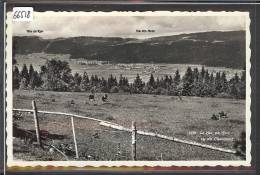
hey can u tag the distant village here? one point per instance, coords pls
(147, 68)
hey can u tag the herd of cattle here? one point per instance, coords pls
(104, 98)
(91, 98)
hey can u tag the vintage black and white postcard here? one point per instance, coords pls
(128, 88)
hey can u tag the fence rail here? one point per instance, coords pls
(108, 124)
(168, 138)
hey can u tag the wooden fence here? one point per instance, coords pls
(104, 123)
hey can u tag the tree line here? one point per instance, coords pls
(56, 75)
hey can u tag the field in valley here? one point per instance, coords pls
(167, 115)
(128, 70)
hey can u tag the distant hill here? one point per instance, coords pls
(222, 49)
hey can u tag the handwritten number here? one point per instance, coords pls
(21, 14)
(28, 14)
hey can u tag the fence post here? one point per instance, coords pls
(36, 123)
(74, 137)
(133, 140)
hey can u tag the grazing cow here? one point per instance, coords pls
(104, 98)
(91, 97)
(96, 135)
(215, 117)
(222, 114)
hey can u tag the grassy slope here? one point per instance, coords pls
(162, 114)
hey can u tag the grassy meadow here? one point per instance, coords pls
(189, 118)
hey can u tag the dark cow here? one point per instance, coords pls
(91, 97)
(222, 114)
(104, 98)
(96, 135)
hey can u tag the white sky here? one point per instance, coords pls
(55, 26)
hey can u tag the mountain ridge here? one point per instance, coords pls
(215, 48)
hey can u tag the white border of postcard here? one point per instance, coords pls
(9, 97)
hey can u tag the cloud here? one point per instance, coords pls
(125, 26)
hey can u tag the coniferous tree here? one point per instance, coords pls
(35, 80)
(197, 86)
(187, 82)
(237, 86)
(211, 78)
(111, 81)
(150, 85)
(177, 77)
(92, 80)
(96, 79)
(205, 86)
(236, 78)
(212, 85)
(31, 71)
(157, 83)
(121, 83)
(195, 74)
(16, 78)
(85, 82)
(224, 83)
(138, 85)
(103, 84)
(234, 86)
(125, 82)
(202, 73)
(77, 79)
(161, 82)
(151, 82)
(170, 80)
(75, 82)
(167, 82)
(115, 81)
(172, 88)
(25, 73)
(206, 77)
(43, 70)
(218, 83)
